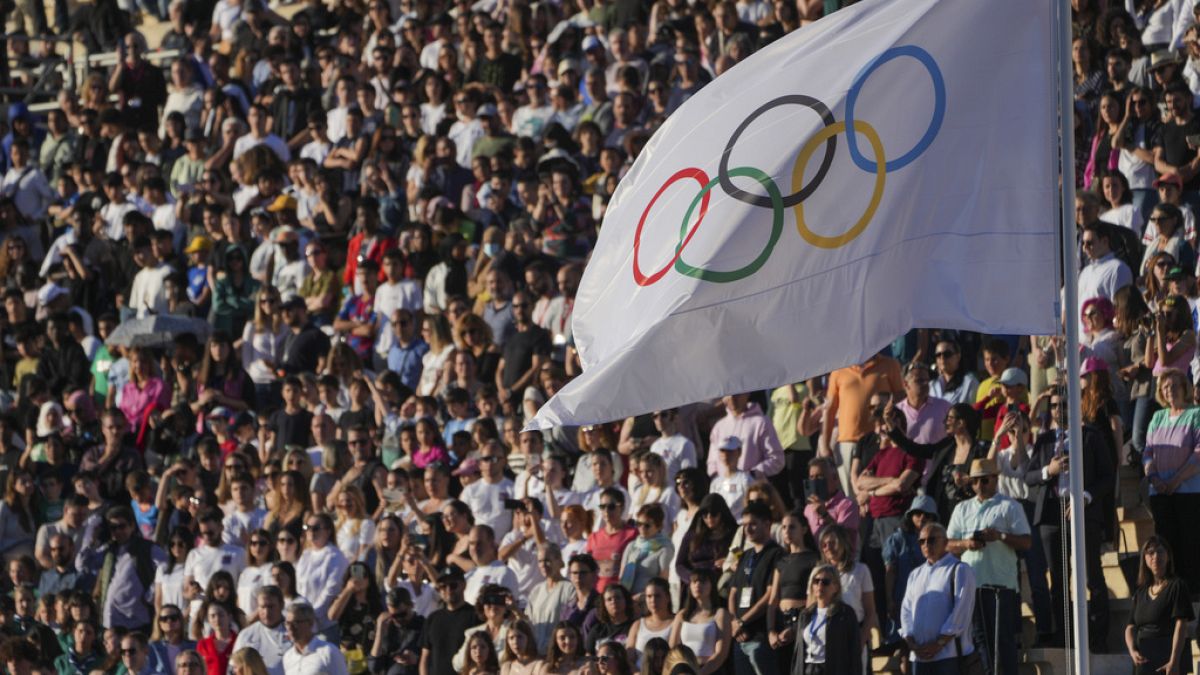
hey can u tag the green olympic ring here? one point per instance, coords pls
(777, 209)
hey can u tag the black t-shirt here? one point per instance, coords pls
(519, 350)
(444, 635)
(292, 429)
(302, 351)
(503, 71)
(751, 582)
(1155, 617)
(1172, 138)
(794, 570)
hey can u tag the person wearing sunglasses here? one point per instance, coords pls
(988, 532)
(935, 614)
(828, 629)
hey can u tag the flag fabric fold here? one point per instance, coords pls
(891, 166)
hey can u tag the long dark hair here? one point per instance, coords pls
(1145, 576)
(441, 542)
(184, 534)
(690, 604)
(699, 530)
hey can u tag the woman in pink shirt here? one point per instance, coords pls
(144, 393)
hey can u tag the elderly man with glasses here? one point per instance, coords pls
(988, 532)
(942, 593)
(309, 655)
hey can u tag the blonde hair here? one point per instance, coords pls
(357, 513)
(250, 659)
(1180, 378)
(265, 321)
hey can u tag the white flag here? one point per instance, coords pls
(756, 242)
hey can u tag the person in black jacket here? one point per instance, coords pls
(827, 641)
(63, 364)
(304, 346)
(398, 637)
(1047, 481)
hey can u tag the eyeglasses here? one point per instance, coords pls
(944, 355)
(520, 305)
(312, 527)
(927, 540)
(1139, 101)
(609, 506)
(644, 524)
(259, 542)
(358, 441)
(129, 652)
(488, 459)
(170, 617)
(1163, 263)
(822, 581)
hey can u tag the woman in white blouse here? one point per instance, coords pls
(355, 531)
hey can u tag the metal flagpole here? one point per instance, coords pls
(1070, 254)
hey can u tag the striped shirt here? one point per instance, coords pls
(1171, 442)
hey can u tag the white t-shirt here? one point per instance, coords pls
(272, 141)
(677, 451)
(240, 524)
(531, 121)
(495, 573)
(733, 488)
(404, 294)
(204, 561)
(487, 504)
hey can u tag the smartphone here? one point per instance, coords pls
(514, 504)
(815, 488)
(358, 572)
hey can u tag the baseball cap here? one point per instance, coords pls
(198, 243)
(1013, 377)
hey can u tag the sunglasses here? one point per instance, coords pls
(609, 506)
(944, 355)
(170, 617)
(984, 480)
(645, 524)
(822, 581)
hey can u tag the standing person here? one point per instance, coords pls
(309, 654)
(320, 570)
(987, 533)
(126, 573)
(923, 411)
(267, 636)
(935, 615)
(1155, 636)
(955, 383)
(703, 624)
(828, 634)
(789, 585)
(547, 599)
(857, 587)
(1171, 467)
(846, 398)
(762, 456)
(445, 629)
(750, 596)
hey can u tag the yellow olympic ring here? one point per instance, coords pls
(824, 134)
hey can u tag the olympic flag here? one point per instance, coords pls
(891, 166)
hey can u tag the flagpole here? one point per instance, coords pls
(1071, 323)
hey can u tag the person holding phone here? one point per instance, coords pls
(826, 503)
(356, 607)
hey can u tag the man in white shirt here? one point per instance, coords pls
(481, 544)
(309, 654)
(26, 184)
(531, 119)
(441, 27)
(942, 593)
(210, 557)
(677, 450)
(267, 636)
(148, 295)
(245, 517)
(486, 496)
(519, 548)
(467, 131)
(1105, 274)
(321, 569)
(259, 135)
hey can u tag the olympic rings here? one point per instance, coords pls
(776, 201)
(939, 106)
(700, 177)
(880, 168)
(742, 272)
(801, 193)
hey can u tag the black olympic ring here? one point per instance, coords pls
(795, 198)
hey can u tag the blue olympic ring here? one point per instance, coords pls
(939, 106)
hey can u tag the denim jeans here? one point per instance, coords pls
(754, 658)
(1143, 410)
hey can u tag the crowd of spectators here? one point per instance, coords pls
(280, 293)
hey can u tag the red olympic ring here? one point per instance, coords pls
(700, 177)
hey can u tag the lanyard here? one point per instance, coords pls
(814, 627)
